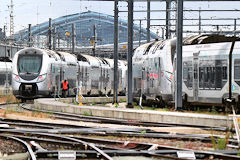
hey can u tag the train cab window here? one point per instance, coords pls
(29, 63)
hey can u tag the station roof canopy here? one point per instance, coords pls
(84, 23)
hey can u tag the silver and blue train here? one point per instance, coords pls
(39, 73)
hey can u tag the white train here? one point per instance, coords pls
(39, 73)
(153, 70)
(205, 70)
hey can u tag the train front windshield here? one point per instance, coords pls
(29, 63)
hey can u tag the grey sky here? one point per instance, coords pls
(38, 11)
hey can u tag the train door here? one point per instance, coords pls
(147, 77)
(151, 76)
(57, 80)
(195, 76)
(159, 75)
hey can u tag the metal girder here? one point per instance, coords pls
(190, 10)
(166, 0)
(191, 19)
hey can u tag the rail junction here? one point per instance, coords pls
(80, 132)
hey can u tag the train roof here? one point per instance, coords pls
(93, 61)
(150, 48)
(5, 59)
(208, 38)
(5, 66)
(67, 57)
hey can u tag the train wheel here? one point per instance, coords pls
(144, 97)
(228, 108)
(160, 101)
(23, 100)
(186, 105)
(236, 107)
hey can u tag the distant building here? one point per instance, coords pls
(84, 30)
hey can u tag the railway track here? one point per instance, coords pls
(47, 139)
(98, 148)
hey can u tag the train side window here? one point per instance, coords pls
(201, 77)
(237, 71)
(224, 73)
(2, 78)
(187, 74)
(52, 68)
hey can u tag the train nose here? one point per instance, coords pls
(28, 90)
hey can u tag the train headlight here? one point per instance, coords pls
(41, 77)
(16, 77)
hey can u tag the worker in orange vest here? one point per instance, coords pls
(65, 88)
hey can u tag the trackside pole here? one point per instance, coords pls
(115, 55)
(129, 56)
(229, 100)
(178, 83)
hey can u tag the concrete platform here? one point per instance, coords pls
(132, 114)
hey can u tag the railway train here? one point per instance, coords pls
(205, 70)
(5, 76)
(39, 73)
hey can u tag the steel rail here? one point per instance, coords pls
(124, 133)
(29, 125)
(93, 154)
(156, 152)
(46, 125)
(25, 143)
(64, 137)
(169, 153)
(44, 140)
